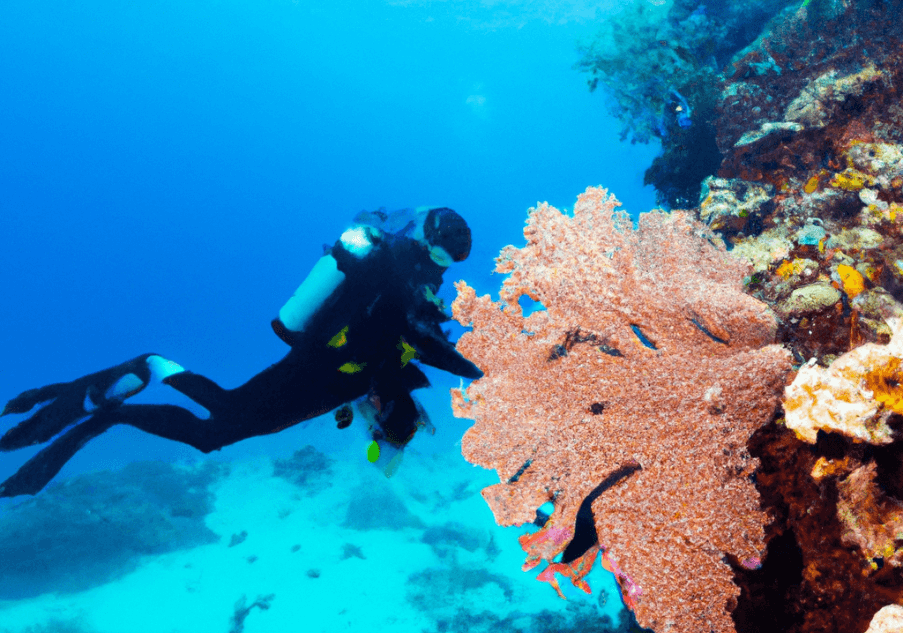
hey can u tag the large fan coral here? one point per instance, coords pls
(636, 388)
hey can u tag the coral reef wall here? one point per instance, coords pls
(810, 192)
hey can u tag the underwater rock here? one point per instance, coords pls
(439, 590)
(823, 96)
(94, 528)
(853, 396)
(769, 134)
(810, 235)
(350, 550)
(875, 307)
(729, 204)
(872, 520)
(242, 610)
(811, 582)
(575, 617)
(307, 468)
(378, 509)
(770, 247)
(857, 238)
(884, 161)
(809, 298)
(446, 538)
(833, 76)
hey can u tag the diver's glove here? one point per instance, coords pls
(64, 403)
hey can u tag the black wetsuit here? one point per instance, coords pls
(358, 342)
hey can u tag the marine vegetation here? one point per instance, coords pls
(627, 402)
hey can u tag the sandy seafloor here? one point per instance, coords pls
(346, 550)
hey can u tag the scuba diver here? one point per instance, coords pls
(365, 311)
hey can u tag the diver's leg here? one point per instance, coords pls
(201, 389)
(399, 420)
(175, 423)
(94, 403)
(62, 404)
(394, 417)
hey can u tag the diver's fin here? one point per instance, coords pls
(40, 469)
(63, 403)
(436, 350)
(43, 425)
(25, 401)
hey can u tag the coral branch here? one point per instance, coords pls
(647, 354)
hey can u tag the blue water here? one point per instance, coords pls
(169, 172)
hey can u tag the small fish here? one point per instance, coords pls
(681, 109)
(408, 353)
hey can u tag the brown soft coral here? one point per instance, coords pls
(573, 393)
(872, 521)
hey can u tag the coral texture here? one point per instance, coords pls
(635, 388)
(820, 122)
(854, 396)
(887, 620)
(812, 580)
(872, 520)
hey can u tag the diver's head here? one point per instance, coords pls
(447, 236)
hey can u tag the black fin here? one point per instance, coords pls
(40, 469)
(66, 404)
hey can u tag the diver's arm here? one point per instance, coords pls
(424, 332)
(434, 348)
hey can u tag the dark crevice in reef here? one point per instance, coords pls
(810, 579)
(585, 526)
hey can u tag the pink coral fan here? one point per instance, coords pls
(636, 388)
